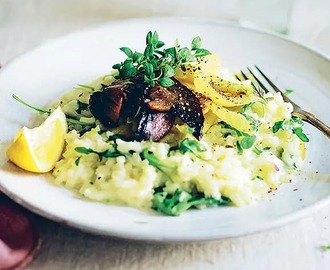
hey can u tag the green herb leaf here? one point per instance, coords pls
(166, 82)
(239, 148)
(288, 91)
(191, 146)
(169, 71)
(164, 62)
(257, 150)
(277, 126)
(202, 52)
(154, 161)
(148, 38)
(196, 43)
(149, 51)
(116, 66)
(77, 161)
(301, 135)
(248, 141)
(84, 150)
(128, 70)
(149, 69)
(165, 168)
(106, 154)
(175, 204)
(127, 51)
(295, 124)
(136, 57)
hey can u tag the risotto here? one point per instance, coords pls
(186, 133)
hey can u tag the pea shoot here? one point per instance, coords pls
(158, 64)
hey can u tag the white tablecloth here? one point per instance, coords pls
(25, 24)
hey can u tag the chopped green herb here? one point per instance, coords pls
(157, 163)
(105, 154)
(42, 111)
(244, 140)
(180, 201)
(154, 161)
(295, 124)
(257, 150)
(258, 177)
(239, 148)
(156, 64)
(301, 135)
(247, 107)
(77, 161)
(247, 141)
(288, 91)
(254, 123)
(191, 146)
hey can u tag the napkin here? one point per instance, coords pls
(19, 239)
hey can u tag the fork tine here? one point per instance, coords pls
(258, 81)
(255, 87)
(276, 89)
(268, 80)
(244, 76)
(297, 110)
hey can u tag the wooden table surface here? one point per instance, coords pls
(24, 25)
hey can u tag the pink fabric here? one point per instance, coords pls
(18, 238)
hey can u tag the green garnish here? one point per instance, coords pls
(77, 161)
(244, 140)
(29, 105)
(105, 154)
(158, 63)
(288, 91)
(254, 123)
(86, 86)
(295, 124)
(190, 146)
(258, 151)
(180, 201)
(258, 177)
(325, 247)
(42, 111)
(157, 163)
(81, 106)
(247, 141)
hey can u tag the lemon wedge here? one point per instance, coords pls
(37, 149)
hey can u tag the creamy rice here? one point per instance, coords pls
(218, 171)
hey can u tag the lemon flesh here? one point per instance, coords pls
(37, 149)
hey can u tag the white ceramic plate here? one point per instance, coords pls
(43, 74)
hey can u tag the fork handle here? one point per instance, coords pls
(314, 121)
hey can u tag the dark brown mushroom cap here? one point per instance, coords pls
(154, 125)
(154, 108)
(188, 108)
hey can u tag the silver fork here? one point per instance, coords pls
(297, 110)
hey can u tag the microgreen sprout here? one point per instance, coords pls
(158, 64)
(69, 119)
